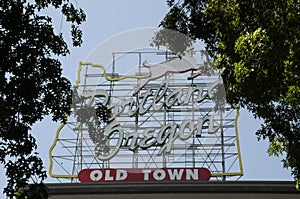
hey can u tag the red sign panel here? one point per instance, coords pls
(144, 175)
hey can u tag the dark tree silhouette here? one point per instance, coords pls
(31, 86)
(256, 45)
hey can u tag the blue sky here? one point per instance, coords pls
(108, 18)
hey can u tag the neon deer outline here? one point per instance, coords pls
(177, 65)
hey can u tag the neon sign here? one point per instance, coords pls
(165, 122)
(154, 101)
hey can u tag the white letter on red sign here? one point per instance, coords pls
(121, 175)
(146, 174)
(96, 175)
(107, 175)
(190, 174)
(159, 174)
(174, 174)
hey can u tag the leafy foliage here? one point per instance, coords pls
(95, 117)
(31, 86)
(256, 44)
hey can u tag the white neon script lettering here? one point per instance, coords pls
(167, 134)
(153, 100)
